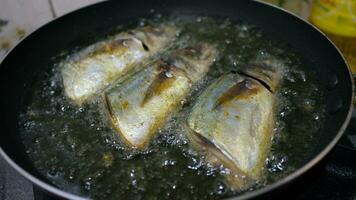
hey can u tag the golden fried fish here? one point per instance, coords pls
(233, 119)
(142, 103)
(91, 70)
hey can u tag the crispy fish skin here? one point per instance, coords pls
(99, 65)
(232, 123)
(142, 103)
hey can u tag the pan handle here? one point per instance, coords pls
(354, 92)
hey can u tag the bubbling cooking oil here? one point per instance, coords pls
(77, 150)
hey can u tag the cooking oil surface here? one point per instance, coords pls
(79, 152)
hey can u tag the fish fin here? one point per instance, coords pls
(163, 80)
(240, 90)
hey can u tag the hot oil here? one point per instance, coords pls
(78, 151)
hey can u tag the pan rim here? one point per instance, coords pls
(310, 164)
(292, 176)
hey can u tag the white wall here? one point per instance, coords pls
(24, 16)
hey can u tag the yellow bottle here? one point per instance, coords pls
(337, 18)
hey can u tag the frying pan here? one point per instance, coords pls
(33, 56)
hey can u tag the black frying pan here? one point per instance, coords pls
(33, 56)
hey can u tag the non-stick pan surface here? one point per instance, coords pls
(34, 55)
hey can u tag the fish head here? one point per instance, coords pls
(267, 69)
(154, 38)
(195, 61)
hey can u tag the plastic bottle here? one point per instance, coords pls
(337, 18)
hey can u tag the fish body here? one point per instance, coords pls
(142, 103)
(233, 119)
(91, 70)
